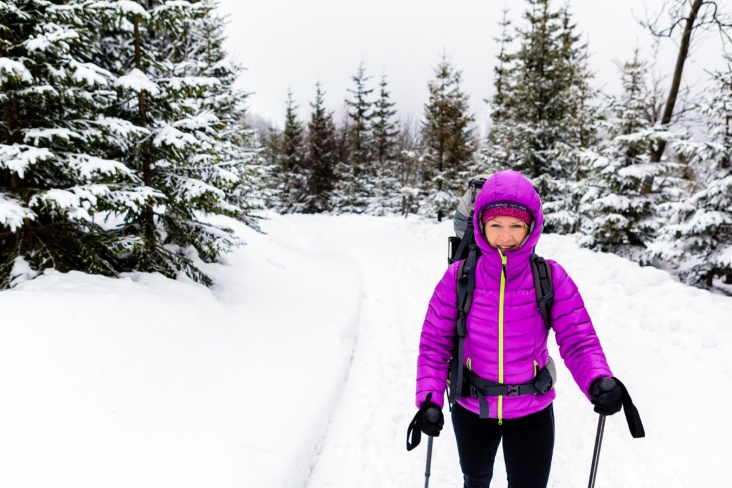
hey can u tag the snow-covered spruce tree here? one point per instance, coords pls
(541, 111)
(189, 149)
(625, 220)
(698, 244)
(57, 178)
(356, 172)
(447, 136)
(236, 147)
(321, 156)
(496, 157)
(292, 175)
(385, 132)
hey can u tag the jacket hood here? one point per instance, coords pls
(509, 187)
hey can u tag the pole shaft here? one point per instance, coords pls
(429, 462)
(596, 452)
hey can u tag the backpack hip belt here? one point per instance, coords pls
(476, 387)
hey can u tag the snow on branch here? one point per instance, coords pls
(90, 74)
(54, 37)
(135, 199)
(191, 188)
(136, 81)
(120, 127)
(170, 136)
(202, 121)
(18, 158)
(90, 166)
(125, 7)
(34, 136)
(12, 212)
(11, 70)
(64, 201)
(192, 82)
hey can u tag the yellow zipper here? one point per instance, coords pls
(501, 299)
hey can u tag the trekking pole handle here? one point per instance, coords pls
(607, 384)
(432, 414)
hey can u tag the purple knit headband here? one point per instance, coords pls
(506, 210)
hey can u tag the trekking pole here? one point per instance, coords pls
(432, 415)
(596, 452)
(429, 462)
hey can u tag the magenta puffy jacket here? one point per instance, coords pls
(513, 351)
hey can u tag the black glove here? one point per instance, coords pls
(431, 419)
(606, 396)
(428, 419)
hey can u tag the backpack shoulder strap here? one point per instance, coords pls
(544, 287)
(465, 289)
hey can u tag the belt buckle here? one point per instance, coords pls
(512, 390)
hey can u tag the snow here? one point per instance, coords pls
(126, 7)
(297, 368)
(170, 136)
(11, 70)
(192, 82)
(137, 81)
(90, 166)
(18, 158)
(12, 213)
(90, 74)
(65, 200)
(34, 136)
(54, 37)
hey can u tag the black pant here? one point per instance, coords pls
(528, 444)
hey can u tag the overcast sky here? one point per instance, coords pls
(292, 44)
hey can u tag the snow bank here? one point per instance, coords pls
(150, 382)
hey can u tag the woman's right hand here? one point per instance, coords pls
(431, 419)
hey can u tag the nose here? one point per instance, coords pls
(505, 237)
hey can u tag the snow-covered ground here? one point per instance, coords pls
(297, 369)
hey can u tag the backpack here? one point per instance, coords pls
(463, 247)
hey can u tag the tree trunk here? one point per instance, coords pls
(676, 82)
(148, 214)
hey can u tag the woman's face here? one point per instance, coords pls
(505, 233)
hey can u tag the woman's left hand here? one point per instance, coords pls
(606, 396)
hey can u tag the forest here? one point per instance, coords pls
(122, 135)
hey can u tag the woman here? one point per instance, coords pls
(506, 344)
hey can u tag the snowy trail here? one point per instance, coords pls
(365, 439)
(297, 369)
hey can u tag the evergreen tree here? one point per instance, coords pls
(292, 172)
(57, 178)
(233, 148)
(625, 220)
(175, 87)
(447, 134)
(387, 191)
(356, 171)
(698, 243)
(321, 158)
(360, 113)
(383, 126)
(541, 111)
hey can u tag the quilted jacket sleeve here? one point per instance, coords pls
(578, 343)
(436, 341)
